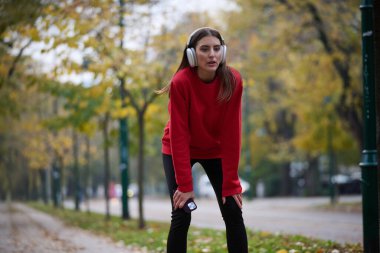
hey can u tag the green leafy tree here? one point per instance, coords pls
(289, 44)
(95, 30)
(17, 32)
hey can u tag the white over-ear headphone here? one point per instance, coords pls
(190, 51)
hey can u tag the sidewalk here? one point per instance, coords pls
(23, 229)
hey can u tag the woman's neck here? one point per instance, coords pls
(206, 76)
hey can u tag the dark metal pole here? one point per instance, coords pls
(123, 135)
(123, 131)
(369, 154)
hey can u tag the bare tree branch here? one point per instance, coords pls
(18, 57)
(286, 3)
(132, 100)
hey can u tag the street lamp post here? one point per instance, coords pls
(368, 162)
(123, 142)
(123, 130)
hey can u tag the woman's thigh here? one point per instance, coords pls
(214, 172)
(169, 174)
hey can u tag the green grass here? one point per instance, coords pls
(352, 207)
(153, 237)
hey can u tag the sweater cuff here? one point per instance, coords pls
(231, 191)
(185, 188)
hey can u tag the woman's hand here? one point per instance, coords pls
(238, 199)
(180, 198)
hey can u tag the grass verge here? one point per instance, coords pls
(352, 207)
(153, 237)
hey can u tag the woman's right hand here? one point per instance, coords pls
(180, 198)
(238, 199)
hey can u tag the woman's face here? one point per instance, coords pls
(209, 54)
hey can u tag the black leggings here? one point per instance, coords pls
(232, 214)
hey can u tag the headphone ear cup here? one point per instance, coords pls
(224, 53)
(191, 57)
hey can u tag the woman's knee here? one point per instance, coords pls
(231, 212)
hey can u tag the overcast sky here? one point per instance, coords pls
(181, 6)
(202, 5)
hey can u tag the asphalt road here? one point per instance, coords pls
(275, 215)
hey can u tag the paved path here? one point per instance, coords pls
(25, 230)
(275, 215)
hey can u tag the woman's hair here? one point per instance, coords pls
(225, 74)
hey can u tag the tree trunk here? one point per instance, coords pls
(61, 181)
(8, 168)
(76, 170)
(44, 185)
(33, 188)
(312, 177)
(286, 181)
(24, 166)
(347, 111)
(55, 169)
(106, 164)
(141, 168)
(87, 174)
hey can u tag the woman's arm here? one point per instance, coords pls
(231, 144)
(180, 136)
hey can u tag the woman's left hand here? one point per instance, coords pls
(180, 198)
(238, 199)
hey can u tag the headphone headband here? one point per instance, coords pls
(201, 28)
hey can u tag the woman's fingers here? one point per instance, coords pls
(175, 196)
(181, 204)
(238, 200)
(240, 197)
(175, 199)
(180, 198)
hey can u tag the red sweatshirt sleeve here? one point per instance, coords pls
(231, 143)
(180, 135)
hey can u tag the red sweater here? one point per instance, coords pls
(201, 127)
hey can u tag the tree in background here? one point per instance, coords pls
(303, 60)
(14, 90)
(303, 86)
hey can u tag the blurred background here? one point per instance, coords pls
(78, 112)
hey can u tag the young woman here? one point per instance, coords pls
(204, 127)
